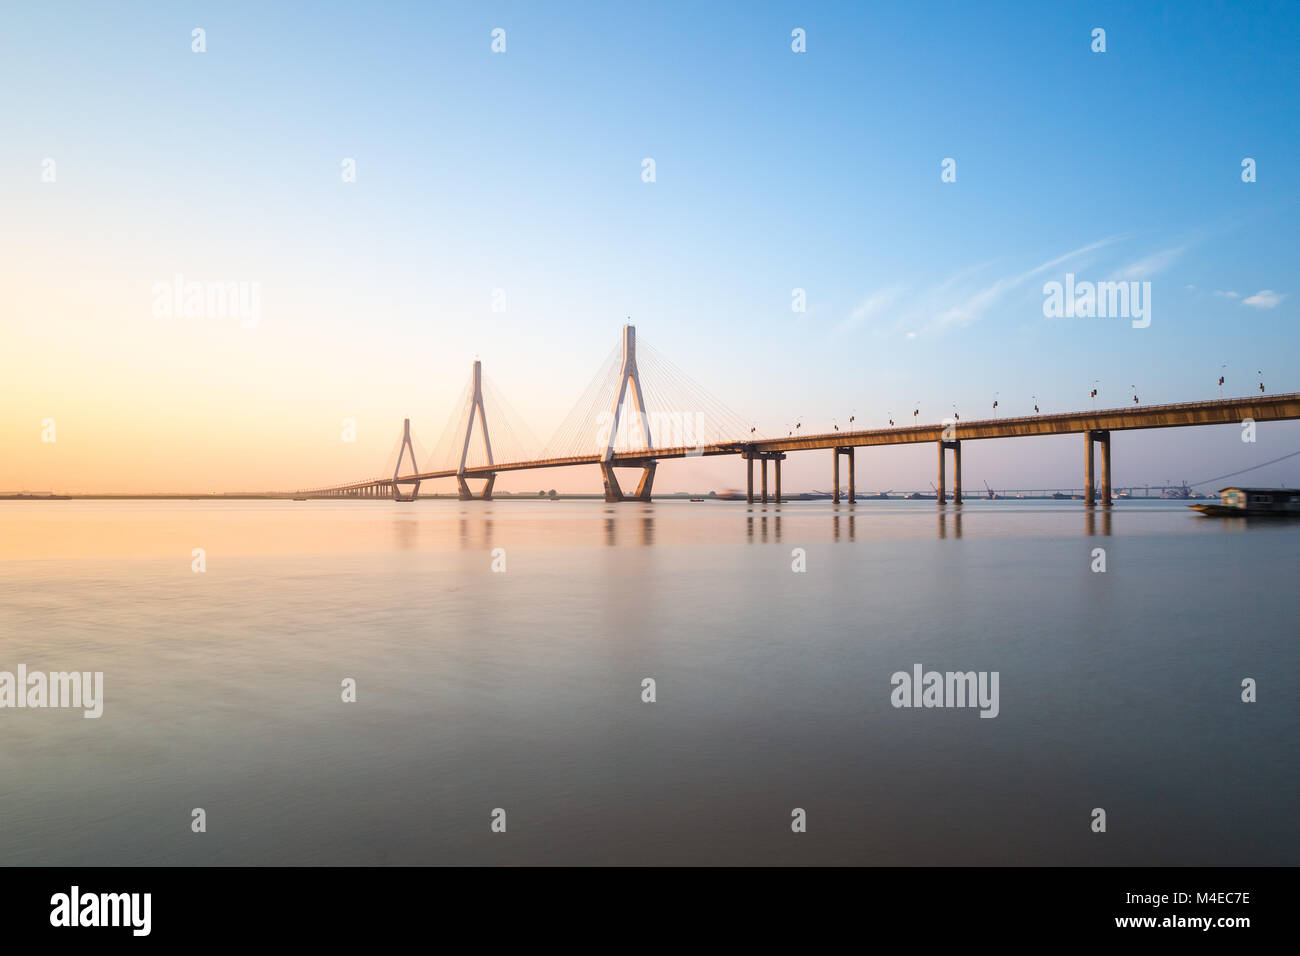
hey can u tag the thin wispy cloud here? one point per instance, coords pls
(961, 299)
(973, 307)
(1148, 266)
(870, 307)
(1227, 294)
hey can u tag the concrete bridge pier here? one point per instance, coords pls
(613, 492)
(467, 495)
(750, 456)
(403, 448)
(1101, 437)
(956, 472)
(847, 451)
(776, 457)
(1105, 470)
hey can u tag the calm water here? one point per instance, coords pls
(522, 690)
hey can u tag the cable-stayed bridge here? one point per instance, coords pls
(640, 409)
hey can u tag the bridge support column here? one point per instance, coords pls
(467, 495)
(405, 447)
(1105, 470)
(940, 486)
(762, 457)
(475, 406)
(835, 479)
(1101, 437)
(613, 492)
(955, 445)
(848, 452)
(1089, 499)
(956, 472)
(629, 386)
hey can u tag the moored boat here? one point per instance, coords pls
(1253, 502)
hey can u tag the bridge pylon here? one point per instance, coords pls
(476, 406)
(628, 375)
(406, 446)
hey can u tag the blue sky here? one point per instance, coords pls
(774, 171)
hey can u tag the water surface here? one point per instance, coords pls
(522, 690)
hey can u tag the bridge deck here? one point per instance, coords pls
(1215, 412)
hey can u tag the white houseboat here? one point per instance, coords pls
(1252, 502)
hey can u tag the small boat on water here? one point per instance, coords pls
(1253, 502)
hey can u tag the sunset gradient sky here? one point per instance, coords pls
(522, 171)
